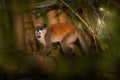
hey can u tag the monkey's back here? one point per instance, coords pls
(59, 30)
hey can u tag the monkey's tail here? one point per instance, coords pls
(84, 43)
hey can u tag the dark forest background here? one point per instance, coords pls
(19, 50)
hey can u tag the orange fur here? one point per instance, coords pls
(60, 30)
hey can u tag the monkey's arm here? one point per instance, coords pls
(48, 44)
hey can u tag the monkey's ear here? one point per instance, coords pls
(44, 30)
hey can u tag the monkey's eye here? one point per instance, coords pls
(41, 29)
(39, 33)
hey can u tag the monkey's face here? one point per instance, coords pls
(40, 32)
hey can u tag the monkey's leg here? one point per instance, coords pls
(66, 50)
(66, 43)
(84, 42)
(74, 49)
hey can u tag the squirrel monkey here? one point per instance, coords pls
(64, 33)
